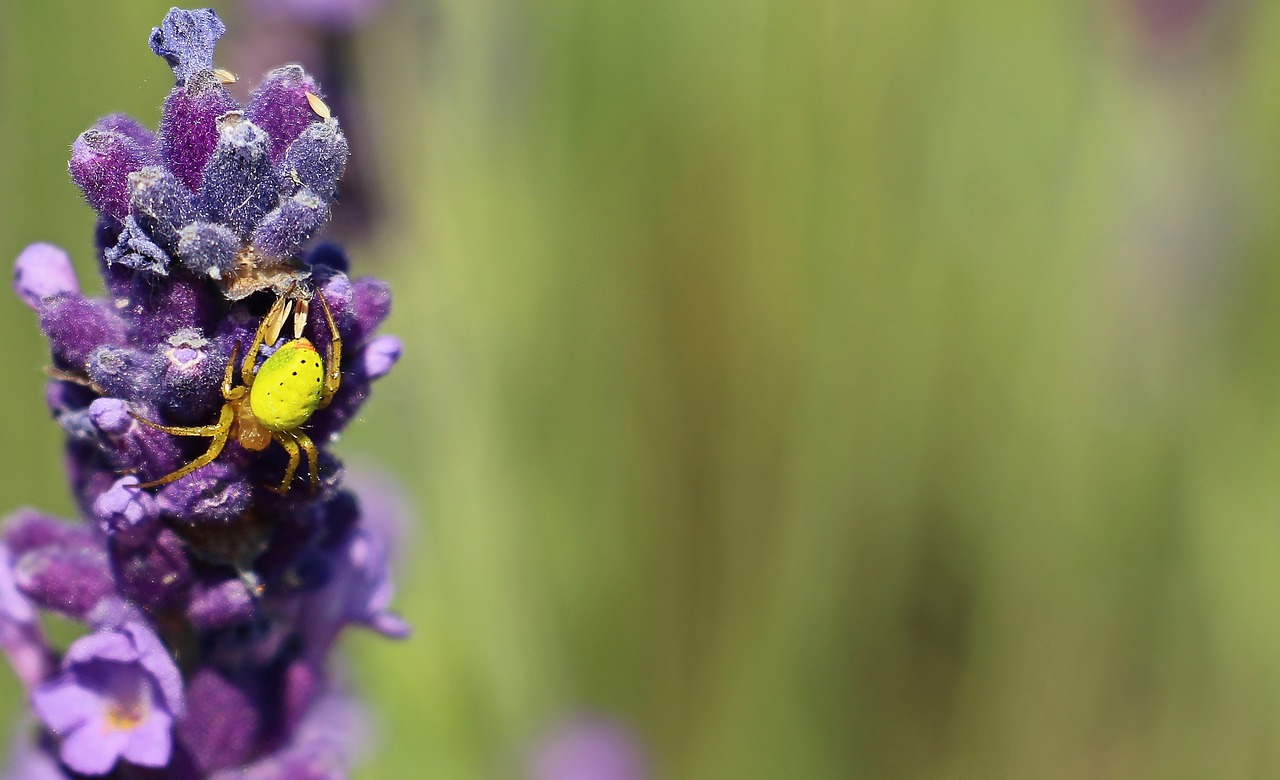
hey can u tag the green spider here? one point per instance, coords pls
(288, 388)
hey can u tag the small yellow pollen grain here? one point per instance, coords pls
(225, 76)
(318, 106)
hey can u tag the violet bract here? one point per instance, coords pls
(212, 603)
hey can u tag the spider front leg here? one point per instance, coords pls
(268, 332)
(333, 359)
(290, 445)
(220, 431)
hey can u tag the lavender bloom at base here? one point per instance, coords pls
(588, 748)
(116, 698)
(244, 576)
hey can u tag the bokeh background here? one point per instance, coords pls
(813, 388)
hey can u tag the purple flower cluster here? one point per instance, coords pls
(212, 602)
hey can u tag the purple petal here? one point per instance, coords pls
(379, 355)
(127, 513)
(101, 646)
(371, 299)
(155, 658)
(43, 271)
(111, 415)
(63, 705)
(151, 740)
(94, 748)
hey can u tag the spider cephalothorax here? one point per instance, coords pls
(273, 404)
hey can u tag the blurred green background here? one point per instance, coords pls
(823, 389)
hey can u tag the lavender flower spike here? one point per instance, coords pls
(185, 549)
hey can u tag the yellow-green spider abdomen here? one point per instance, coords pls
(287, 388)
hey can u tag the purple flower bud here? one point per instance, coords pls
(317, 158)
(134, 249)
(280, 106)
(220, 604)
(208, 249)
(130, 127)
(76, 326)
(28, 530)
(116, 698)
(101, 162)
(111, 415)
(123, 372)
(372, 301)
(157, 575)
(285, 230)
(224, 724)
(133, 445)
(379, 355)
(127, 514)
(160, 205)
(240, 186)
(192, 368)
(43, 271)
(159, 308)
(69, 578)
(189, 126)
(328, 256)
(20, 634)
(360, 591)
(217, 493)
(186, 39)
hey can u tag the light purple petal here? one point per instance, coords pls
(151, 741)
(64, 705)
(156, 660)
(42, 271)
(103, 645)
(380, 355)
(14, 606)
(93, 748)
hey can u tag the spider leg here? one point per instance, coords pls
(333, 360)
(270, 324)
(231, 371)
(222, 430)
(195, 430)
(313, 458)
(290, 445)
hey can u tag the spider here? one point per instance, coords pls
(289, 387)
